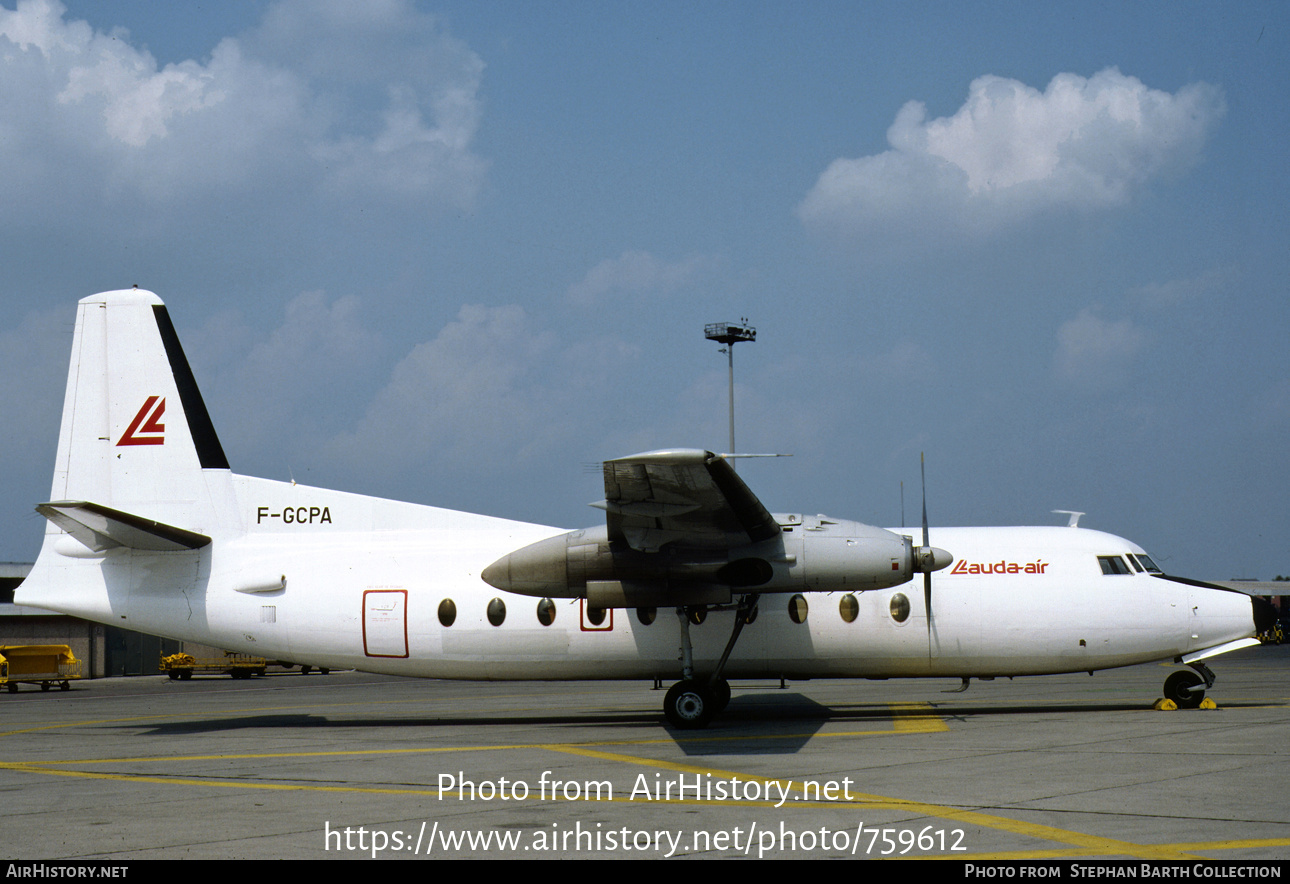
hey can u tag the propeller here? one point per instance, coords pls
(928, 558)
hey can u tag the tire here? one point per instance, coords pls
(688, 705)
(720, 695)
(1178, 687)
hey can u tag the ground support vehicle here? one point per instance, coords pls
(44, 665)
(183, 666)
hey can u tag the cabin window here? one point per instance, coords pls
(1113, 565)
(595, 616)
(646, 615)
(899, 607)
(849, 608)
(797, 608)
(447, 612)
(546, 612)
(496, 612)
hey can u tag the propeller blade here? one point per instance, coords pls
(927, 544)
(928, 558)
(927, 599)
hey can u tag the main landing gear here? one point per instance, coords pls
(691, 702)
(1184, 687)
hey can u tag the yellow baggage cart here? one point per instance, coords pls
(184, 666)
(44, 665)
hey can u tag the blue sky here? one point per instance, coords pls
(455, 252)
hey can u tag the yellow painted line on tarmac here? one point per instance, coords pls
(917, 718)
(234, 784)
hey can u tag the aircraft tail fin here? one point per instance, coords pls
(135, 436)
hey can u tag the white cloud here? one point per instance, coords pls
(491, 386)
(294, 381)
(470, 398)
(1011, 152)
(325, 98)
(33, 362)
(1095, 354)
(138, 101)
(1175, 293)
(636, 273)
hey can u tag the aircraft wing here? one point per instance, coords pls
(688, 497)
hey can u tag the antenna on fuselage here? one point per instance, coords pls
(1074, 517)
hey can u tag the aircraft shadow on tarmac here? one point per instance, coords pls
(771, 723)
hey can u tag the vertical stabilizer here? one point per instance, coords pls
(135, 434)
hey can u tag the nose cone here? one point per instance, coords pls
(933, 558)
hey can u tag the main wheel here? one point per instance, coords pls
(720, 695)
(1179, 688)
(688, 705)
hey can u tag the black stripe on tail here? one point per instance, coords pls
(209, 451)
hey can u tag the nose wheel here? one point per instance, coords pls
(1184, 688)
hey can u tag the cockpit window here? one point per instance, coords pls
(1113, 565)
(1145, 559)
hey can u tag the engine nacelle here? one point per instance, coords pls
(809, 554)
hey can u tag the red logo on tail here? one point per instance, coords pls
(147, 422)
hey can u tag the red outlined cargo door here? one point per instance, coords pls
(385, 622)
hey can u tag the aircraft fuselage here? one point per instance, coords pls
(339, 592)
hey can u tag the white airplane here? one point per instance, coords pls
(150, 530)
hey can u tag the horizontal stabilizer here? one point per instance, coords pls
(101, 528)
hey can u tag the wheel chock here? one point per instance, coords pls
(1163, 705)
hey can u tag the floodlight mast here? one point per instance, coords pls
(730, 333)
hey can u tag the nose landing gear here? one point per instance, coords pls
(1184, 687)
